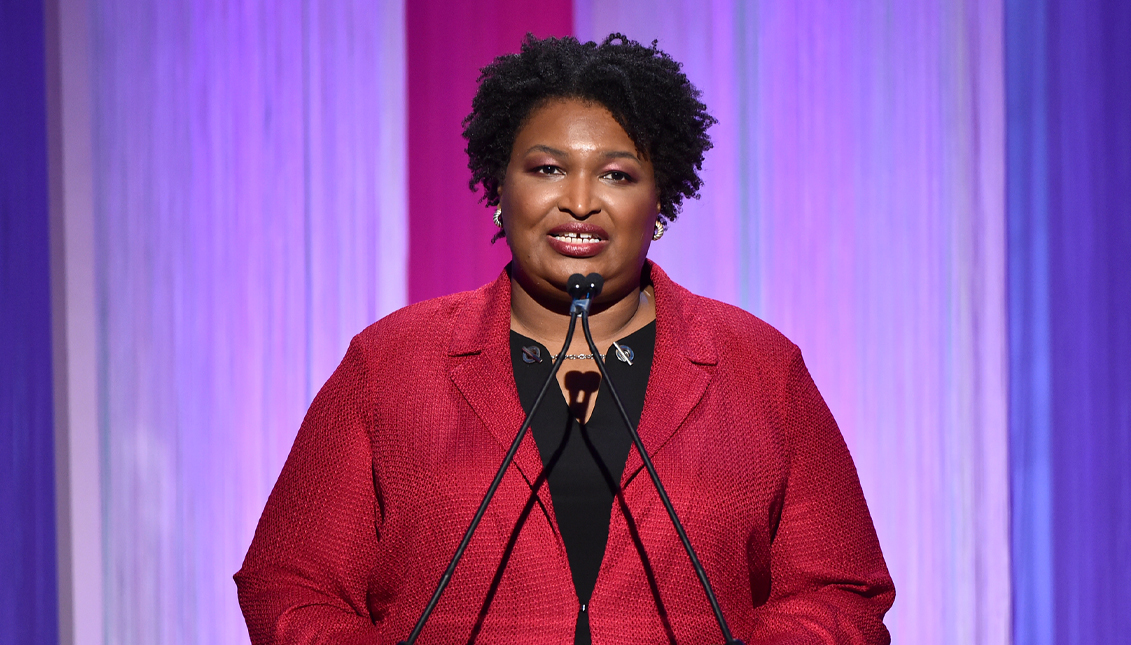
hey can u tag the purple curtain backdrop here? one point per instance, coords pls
(448, 42)
(854, 199)
(250, 218)
(28, 604)
(251, 188)
(1069, 88)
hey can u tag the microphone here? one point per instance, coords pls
(582, 289)
(591, 287)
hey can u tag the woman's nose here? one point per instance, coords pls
(579, 197)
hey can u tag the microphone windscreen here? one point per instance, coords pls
(595, 282)
(575, 286)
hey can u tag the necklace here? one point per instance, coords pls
(534, 354)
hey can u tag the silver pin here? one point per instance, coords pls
(624, 353)
(532, 354)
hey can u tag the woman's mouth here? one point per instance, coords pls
(577, 244)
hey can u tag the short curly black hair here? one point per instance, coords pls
(641, 86)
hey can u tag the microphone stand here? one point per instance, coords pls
(583, 289)
(578, 305)
(728, 638)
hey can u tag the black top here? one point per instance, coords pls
(584, 461)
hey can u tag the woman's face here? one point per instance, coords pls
(577, 198)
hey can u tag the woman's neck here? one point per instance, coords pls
(614, 320)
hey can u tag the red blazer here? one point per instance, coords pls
(401, 443)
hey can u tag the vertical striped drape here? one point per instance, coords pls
(250, 213)
(28, 602)
(1069, 159)
(854, 199)
(254, 165)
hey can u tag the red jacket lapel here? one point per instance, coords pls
(481, 370)
(684, 346)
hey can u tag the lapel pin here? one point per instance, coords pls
(532, 354)
(624, 352)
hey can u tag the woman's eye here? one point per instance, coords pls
(547, 170)
(618, 176)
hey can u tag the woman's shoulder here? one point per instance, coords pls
(750, 354)
(422, 326)
(731, 330)
(741, 332)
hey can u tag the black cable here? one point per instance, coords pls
(727, 637)
(447, 577)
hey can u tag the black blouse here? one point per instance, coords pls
(584, 460)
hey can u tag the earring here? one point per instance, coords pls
(499, 217)
(659, 232)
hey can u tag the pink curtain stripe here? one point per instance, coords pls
(448, 42)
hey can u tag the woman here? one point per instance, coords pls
(588, 151)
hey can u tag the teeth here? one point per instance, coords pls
(577, 236)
